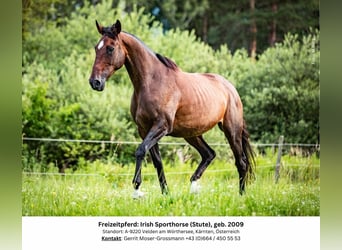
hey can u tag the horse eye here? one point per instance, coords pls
(109, 50)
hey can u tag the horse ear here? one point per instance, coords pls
(99, 28)
(116, 28)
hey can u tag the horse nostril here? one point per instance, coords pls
(97, 83)
(94, 83)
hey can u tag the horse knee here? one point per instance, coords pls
(140, 153)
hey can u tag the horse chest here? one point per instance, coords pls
(144, 113)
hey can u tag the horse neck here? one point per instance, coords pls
(141, 63)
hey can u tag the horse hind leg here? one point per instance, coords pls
(238, 139)
(207, 154)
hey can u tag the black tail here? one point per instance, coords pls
(249, 153)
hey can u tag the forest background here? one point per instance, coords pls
(268, 49)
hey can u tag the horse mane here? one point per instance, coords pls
(167, 62)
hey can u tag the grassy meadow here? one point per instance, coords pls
(102, 189)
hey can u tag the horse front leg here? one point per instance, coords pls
(151, 139)
(139, 155)
(207, 154)
(157, 162)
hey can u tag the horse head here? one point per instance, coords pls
(110, 55)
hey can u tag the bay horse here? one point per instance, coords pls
(169, 102)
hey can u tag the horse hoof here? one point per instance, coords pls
(195, 187)
(165, 190)
(137, 194)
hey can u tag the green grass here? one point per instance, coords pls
(107, 191)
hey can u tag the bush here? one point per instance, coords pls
(284, 99)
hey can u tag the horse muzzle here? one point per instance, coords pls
(97, 84)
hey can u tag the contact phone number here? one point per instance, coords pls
(213, 238)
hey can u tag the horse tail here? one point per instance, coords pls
(249, 154)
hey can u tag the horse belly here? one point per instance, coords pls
(184, 131)
(196, 120)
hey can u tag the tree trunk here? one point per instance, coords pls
(273, 30)
(205, 28)
(253, 43)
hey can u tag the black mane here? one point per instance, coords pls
(167, 62)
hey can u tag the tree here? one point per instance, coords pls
(273, 26)
(254, 30)
(235, 23)
(253, 25)
(41, 13)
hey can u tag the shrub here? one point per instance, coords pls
(284, 99)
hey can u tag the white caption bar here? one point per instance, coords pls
(170, 232)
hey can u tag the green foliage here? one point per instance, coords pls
(284, 97)
(280, 91)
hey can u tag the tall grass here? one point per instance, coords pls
(105, 190)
